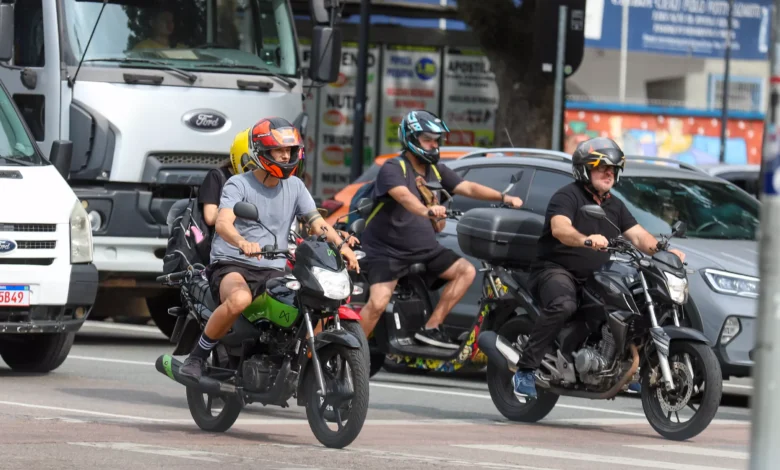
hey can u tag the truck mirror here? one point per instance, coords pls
(325, 54)
(61, 155)
(6, 32)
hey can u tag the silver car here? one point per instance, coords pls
(720, 243)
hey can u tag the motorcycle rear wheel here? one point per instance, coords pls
(200, 405)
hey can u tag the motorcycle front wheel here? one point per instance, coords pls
(699, 391)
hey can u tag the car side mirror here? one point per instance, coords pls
(246, 210)
(325, 54)
(679, 228)
(594, 211)
(61, 155)
(6, 32)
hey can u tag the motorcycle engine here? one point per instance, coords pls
(589, 361)
(258, 373)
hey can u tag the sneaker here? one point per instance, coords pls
(635, 387)
(193, 367)
(524, 384)
(435, 337)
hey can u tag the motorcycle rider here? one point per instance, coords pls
(273, 150)
(572, 247)
(400, 233)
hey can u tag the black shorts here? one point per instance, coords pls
(254, 277)
(390, 269)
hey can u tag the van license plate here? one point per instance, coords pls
(14, 296)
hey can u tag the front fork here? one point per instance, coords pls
(314, 357)
(660, 338)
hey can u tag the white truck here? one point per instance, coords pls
(48, 283)
(152, 93)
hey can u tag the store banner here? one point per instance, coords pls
(309, 107)
(411, 77)
(470, 100)
(335, 121)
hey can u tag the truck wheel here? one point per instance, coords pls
(158, 309)
(36, 352)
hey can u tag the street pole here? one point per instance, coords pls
(359, 119)
(559, 64)
(624, 51)
(725, 103)
(765, 429)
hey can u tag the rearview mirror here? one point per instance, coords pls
(594, 211)
(325, 54)
(679, 228)
(358, 226)
(364, 206)
(61, 155)
(246, 210)
(6, 32)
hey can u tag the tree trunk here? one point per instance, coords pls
(525, 105)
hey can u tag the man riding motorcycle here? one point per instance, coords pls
(572, 247)
(272, 151)
(400, 232)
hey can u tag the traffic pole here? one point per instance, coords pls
(765, 405)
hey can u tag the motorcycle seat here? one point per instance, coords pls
(417, 268)
(201, 294)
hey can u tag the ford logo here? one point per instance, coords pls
(204, 120)
(7, 246)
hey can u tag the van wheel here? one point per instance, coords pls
(36, 352)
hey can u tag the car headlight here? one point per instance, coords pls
(80, 235)
(678, 288)
(334, 285)
(724, 282)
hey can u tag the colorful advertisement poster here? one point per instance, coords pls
(335, 127)
(411, 78)
(470, 98)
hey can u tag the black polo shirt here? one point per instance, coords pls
(567, 201)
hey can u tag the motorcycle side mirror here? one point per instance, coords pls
(358, 226)
(246, 210)
(594, 211)
(679, 228)
(364, 206)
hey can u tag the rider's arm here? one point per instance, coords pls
(232, 193)
(306, 208)
(477, 191)
(209, 194)
(642, 239)
(564, 231)
(391, 181)
(405, 197)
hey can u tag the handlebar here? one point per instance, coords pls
(449, 214)
(267, 254)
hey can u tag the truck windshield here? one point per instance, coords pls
(238, 36)
(16, 148)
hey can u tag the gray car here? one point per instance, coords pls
(720, 243)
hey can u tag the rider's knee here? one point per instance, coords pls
(467, 270)
(378, 301)
(238, 301)
(567, 307)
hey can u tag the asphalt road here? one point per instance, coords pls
(108, 407)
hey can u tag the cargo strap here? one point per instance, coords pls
(402, 162)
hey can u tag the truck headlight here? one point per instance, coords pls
(678, 288)
(80, 235)
(728, 283)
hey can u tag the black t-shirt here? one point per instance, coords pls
(394, 231)
(582, 261)
(211, 188)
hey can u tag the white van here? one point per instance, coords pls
(48, 282)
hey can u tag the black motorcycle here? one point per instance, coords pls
(627, 328)
(271, 353)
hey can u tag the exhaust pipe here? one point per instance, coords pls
(498, 350)
(169, 366)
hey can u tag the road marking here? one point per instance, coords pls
(118, 361)
(121, 327)
(628, 422)
(149, 449)
(744, 387)
(602, 459)
(85, 412)
(690, 450)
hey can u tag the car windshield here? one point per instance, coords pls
(16, 148)
(246, 36)
(710, 209)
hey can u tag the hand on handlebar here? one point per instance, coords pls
(437, 212)
(349, 255)
(513, 202)
(250, 249)
(597, 242)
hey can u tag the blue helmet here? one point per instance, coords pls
(416, 123)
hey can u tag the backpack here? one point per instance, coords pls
(367, 191)
(189, 242)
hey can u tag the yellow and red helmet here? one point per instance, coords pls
(274, 133)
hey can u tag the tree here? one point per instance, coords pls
(505, 30)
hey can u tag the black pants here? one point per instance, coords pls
(557, 292)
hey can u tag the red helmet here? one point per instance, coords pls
(273, 133)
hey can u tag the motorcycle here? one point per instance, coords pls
(271, 353)
(392, 342)
(626, 329)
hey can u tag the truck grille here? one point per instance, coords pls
(190, 158)
(27, 261)
(27, 227)
(36, 244)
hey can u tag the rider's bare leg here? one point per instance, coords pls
(460, 276)
(378, 297)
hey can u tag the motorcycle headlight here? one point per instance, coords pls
(678, 288)
(334, 285)
(80, 235)
(724, 282)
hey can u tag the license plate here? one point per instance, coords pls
(14, 296)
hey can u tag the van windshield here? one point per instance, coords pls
(16, 148)
(238, 36)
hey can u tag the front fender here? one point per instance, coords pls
(685, 333)
(342, 337)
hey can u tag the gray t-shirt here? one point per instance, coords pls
(277, 207)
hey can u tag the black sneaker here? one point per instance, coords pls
(435, 337)
(193, 367)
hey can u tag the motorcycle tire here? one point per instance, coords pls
(200, 407)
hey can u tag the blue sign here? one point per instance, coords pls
(682, 27)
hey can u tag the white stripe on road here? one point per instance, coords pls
(123, 327)
(581, 457)
(149, 449)
(84, 412)
(690, 450)
(409, 389)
